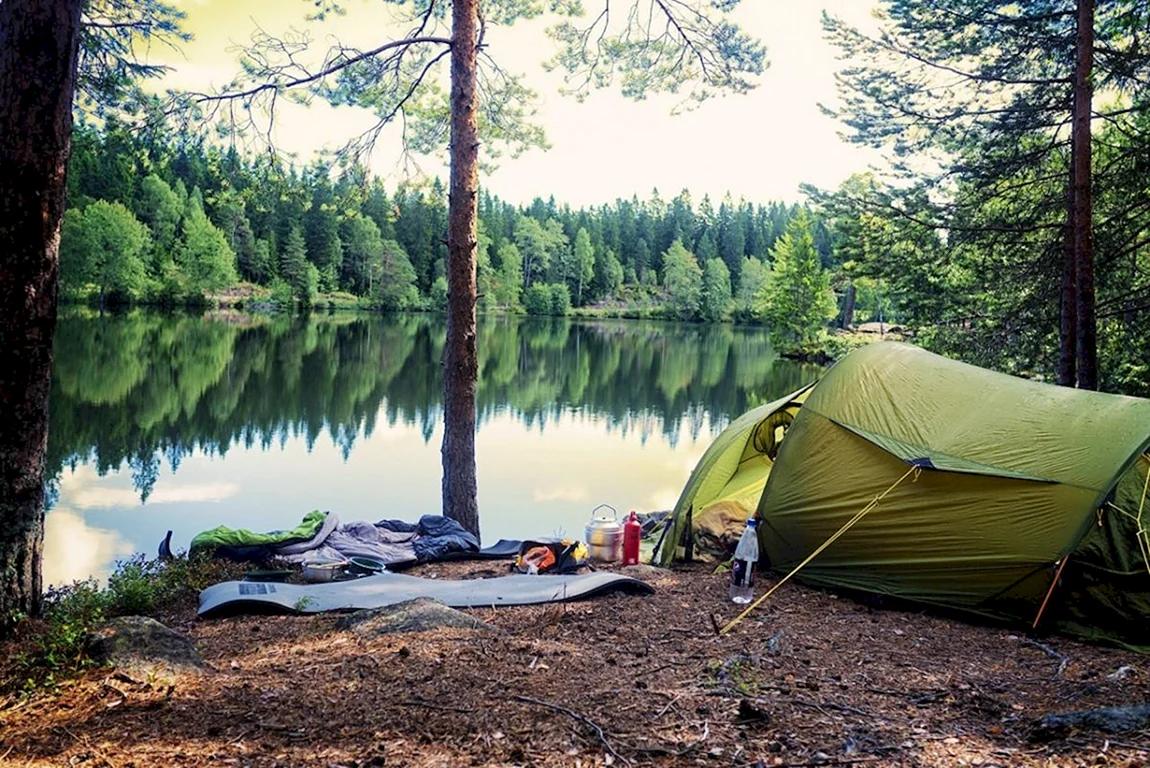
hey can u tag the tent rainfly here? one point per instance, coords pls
(1026, 499)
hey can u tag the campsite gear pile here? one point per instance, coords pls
(322, 537)
(604, 535)
(743, 568)
(933, 481)
(564, 556)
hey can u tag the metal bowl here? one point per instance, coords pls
(365, 566)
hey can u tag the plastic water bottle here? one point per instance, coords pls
(743, 569)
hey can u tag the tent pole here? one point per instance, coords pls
(1050, 592)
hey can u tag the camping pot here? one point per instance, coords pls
(604, 536)
(322, 571)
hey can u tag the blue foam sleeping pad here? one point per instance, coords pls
(239, 597)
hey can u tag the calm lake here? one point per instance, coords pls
(171, 422)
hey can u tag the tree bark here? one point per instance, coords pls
(38, 47)
(1068, 298)
(460, 364)
(1086, 335)
(848, 316)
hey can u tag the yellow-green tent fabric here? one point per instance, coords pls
(734, 468)
(1015, 476)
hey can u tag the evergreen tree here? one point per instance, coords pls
(797, 302)
(203, 256)
(396, 288)
(159, 207)
(732, 237)
(263, 266)
(321, 230)
(988, 93)
(294, 267)
(229, 216)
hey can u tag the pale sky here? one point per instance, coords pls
(760, 146)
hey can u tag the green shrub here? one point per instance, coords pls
(56, 650)
(54, 646)
(537, 299)
(438, 297)
(282, 294)
(560, 299)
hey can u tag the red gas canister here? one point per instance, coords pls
(632, 532)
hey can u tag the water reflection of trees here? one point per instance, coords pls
(137, 387)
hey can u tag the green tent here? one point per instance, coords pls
(725, 486)
(1015, 481)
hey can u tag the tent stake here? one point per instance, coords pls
(1050, 592)
(861, 514)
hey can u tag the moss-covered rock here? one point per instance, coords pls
(418, 615)
(142, 646)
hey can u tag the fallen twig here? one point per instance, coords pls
(670, 704)
(1062, 660)
(581, 718)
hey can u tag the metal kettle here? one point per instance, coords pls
(604, 535)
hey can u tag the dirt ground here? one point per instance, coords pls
(810, 679)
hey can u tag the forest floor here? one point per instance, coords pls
(809, 679)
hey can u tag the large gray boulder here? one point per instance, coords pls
(416, 615)
(140, 646)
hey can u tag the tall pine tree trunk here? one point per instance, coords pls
(459, 360)
(1068, 297)
(848, 316)
(1086, 335)
(38, 45)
